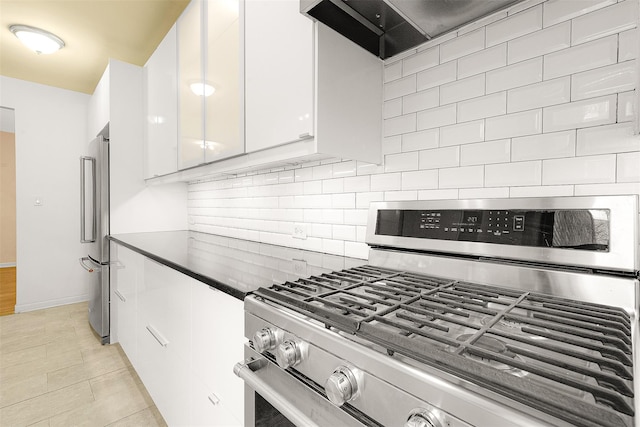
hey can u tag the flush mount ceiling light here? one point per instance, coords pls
(40, 41)
(202, 89)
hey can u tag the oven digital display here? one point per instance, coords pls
(569, 229)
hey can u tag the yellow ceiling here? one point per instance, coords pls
(93, 31)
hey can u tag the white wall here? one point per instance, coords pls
(535, 101)
(51, 129)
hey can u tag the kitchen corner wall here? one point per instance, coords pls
(535, 101)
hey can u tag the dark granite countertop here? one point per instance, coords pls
(234, 266)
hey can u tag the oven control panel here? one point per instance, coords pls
(575, 229)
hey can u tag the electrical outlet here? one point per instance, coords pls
(299, 231)
(300, 267)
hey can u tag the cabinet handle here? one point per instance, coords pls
(119, 295)
(304, 135)
(214, 399)
(158, 336)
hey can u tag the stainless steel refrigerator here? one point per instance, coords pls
(94, 229)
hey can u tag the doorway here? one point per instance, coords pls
(8, 266)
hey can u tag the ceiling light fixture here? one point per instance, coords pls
(40, 41)
(202, 89)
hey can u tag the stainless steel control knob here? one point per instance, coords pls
(265, 339)
(422, 418)
(342, 386)
(289, 354)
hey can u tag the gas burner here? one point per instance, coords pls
(497, 346)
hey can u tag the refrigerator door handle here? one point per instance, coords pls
(83, 199)
(85, 266)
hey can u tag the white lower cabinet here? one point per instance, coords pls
(183, 339)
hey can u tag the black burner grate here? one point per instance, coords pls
(570, 359)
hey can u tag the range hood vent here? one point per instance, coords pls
(388, 27)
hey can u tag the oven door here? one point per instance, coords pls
(274, 397)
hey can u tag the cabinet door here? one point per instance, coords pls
(190, 75)
(126, 272)
(279, 77)
(223, 108)
(218, 338)
(161, 106)
(164, 340)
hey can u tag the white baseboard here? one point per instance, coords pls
(7, 264)
(22, 308)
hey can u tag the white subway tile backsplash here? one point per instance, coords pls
(616, 138)
(392, 108)
(603, 22)
(582, 57)
(513, 125)
(483, 106)
(519, 74)
(627, 106)
(393, 72)
(464, 118)
(463, 45)
(344, 232)
(312, 187)
(364, 199)
(400, 125)
(357, 184)
(420, 180)
(544, 146)
(445, 194)
(335, 185)
(420, 140)
(515, 26)
(544, 191)
(344, 169)
(462, 89)
(628, 167)
(485, 152)
(561, 10)
(421, 100)
(322, 172)
(439, 158)
(436, 76)
(462, 177)
(608, 189)
(615, 78)
(395, 196)
(590, 112)
(550, 92)
(539, 43)
(436, 117)
(480, 62)
(401, 87)
(401, 162)
(422, 60)
(386, 181)
(513, 174)
(462, 133)
(343, 201)
(628, 45)
(580, 170)
(484, 193)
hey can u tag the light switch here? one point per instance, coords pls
(38, 201)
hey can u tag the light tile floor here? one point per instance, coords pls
(54, 372)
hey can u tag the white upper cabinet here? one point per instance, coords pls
(224, 136)
(209, 77)
(190, 80)
(303, 81)
(279, 73)
(161, 108)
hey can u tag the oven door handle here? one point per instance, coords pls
(246, 371)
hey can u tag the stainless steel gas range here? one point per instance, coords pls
(513, 312)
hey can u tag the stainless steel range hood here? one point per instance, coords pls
(388, 27)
